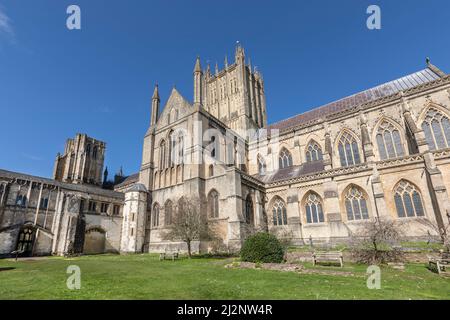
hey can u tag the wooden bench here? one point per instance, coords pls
(16, 253)
(169, 254)
(440, 265)
(328, 257)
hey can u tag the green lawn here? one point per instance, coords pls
(145, 277)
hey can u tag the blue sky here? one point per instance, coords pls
(98, 80)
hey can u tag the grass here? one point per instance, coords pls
(145, 277)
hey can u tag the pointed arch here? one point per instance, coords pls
(408, 200)
(284, 158)
(279, 211)
(347, 145)
(262, 167)
(162, 154)
(155, 215)
(313, 151)
(172, 148)
(435, 123)
(213, 204)
(168, 212)
(313, 205)
(356, 203)
(389, 138)
(249, 212)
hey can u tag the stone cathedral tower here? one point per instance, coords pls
(234, 95)
(82, 161)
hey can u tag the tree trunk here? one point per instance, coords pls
(189, 249)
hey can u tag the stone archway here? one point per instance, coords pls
(25, 241)
(94, 241)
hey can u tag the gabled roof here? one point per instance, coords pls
(431, 73)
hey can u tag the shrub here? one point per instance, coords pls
(262, 248)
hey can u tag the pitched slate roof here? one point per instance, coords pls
(128, 180)
(69, 186)
(431, 73)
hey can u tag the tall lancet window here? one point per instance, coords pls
(261, 166)
(284, 159)
(408, 200)
(313, 152)
(155, 216)
(436, 127)
(348, 150)
(313, 209)
(162, 154)
(389, 141)
(172, 149)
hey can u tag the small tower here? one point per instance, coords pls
(155, 106)
(134, 219)
(198, 88)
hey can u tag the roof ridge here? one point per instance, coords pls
(430, 73)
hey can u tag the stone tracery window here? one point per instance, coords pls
(155, 216)
(284, 159)
(356, 204)
(436, 127)
(348, 150)
(249, 212)
(313, 152)
(314, 209)
(213, 204)
(408, 200)
(279, 213)
(168, 212)
(389, 141)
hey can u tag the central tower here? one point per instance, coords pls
(234, 95)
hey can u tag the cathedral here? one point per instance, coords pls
(313, 178)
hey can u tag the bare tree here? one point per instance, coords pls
(442, 231)
(189, 224)
(377, 241)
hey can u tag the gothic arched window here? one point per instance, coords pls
(284, 159)
(168, 212)
(313, 152)
(249, 213)
(279, 213)
(172, 149)
(162, 154)
(2, 189)
(356, 204)
(180, 149)
(213, 147)
(155, 217)
(211, 170)
(436, 127)
(261, 166)
(213, 204)
(314, 209)
(348, 150)
(389, 141)
(408, 200)
(94, 152)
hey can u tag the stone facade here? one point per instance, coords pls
(40, 216)
(314, 177)
(382, 153)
